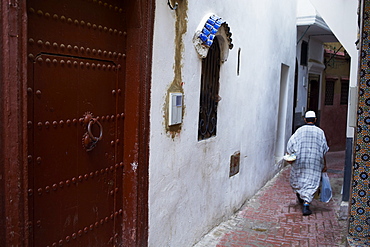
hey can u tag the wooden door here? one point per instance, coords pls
(313, 95)
(76, 91)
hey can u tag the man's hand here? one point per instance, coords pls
(325, 168)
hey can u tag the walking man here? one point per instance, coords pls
(309, 145)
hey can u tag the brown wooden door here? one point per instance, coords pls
(76, 89)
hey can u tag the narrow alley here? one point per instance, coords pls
(273, 217)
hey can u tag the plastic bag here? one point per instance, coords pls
(326, 191)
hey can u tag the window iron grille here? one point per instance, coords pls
(344, 92)
(329, 92)
(209, 92)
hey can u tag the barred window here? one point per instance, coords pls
(209, 92)
(344, 92)
(329, 92)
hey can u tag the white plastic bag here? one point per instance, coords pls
(326, 192)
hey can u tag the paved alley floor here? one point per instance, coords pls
(273, 217)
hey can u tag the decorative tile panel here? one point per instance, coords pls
(210, 29)
(359, 221)
(206, 33)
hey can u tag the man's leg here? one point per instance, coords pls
(300, 200)
(306, 194)
(305, 205)
(306, 209)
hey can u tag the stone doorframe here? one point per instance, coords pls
(13, 118)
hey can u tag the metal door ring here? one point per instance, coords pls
(91, 122)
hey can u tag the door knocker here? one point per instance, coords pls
(89, 141)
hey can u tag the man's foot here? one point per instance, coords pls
(299, 198)
(306, 209)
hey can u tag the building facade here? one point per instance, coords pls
(335, 95)
(193, 185)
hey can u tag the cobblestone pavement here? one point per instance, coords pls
(273, 217)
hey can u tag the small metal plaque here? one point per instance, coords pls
(234, 164)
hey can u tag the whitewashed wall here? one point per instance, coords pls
(341, 17)
(189, 186)
(315, 52)
(302, 78)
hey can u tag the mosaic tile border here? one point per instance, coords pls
(358, 242)
(359, 220)
(211, 26)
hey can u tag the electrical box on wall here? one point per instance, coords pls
(175, 111)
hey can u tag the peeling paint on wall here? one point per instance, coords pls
(176, 85)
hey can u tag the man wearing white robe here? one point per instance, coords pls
(309, 145)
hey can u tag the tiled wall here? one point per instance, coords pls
(359, 221)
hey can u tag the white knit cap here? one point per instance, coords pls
(310, 114)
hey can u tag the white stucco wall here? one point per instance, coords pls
(306, 9)
(315, 52)
(302, 78)
(341, 17)
(189, 186)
